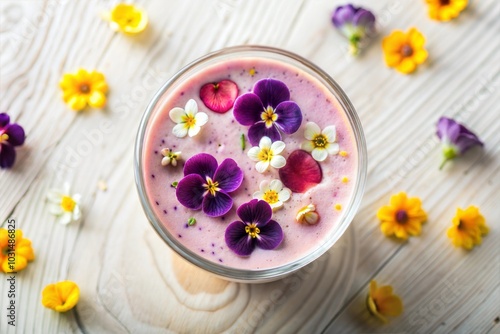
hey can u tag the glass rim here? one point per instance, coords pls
(269, 274)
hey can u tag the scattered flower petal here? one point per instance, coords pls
(404, 51)
(382, 302)
(64, 205)
(11, 135)
(189, 120)
(445, 10)
(456, 139)
(255, 230)
(83, 88)
(355, 23)
(219, 96)
(170, 157)
(127, 18)
(402, 217)
(308, 215)
(61, 296)
(273, 193)
(301, 172)
(14, 257)
(468, 228)
(320, 143)
(267, 154)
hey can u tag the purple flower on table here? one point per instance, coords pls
(268, 110)
(256, 229)
(206, 185)
(456, 138)
(11, 135)
(355, 23)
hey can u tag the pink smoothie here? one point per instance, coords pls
(221, 136)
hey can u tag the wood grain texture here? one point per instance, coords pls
(130, 280)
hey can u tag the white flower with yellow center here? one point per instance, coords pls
(320, 143)
(170, 157)
(189, 120)
(64, 205)
(307, 215)
(273, 193)
(267, 154)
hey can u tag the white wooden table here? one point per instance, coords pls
(131, 282)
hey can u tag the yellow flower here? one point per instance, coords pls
(468, 228)
(381, 302)
(404, 216)
(127, 18)
(15, 251)
(61, 296)
(445, 10)
(404, 51)
(84, 88)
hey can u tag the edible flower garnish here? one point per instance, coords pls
(301, 172)
(402, 217)
(468, 228)
(267, 110)
(445, 10)
(206, 185)
(256, 229)
(189, 120)
(320, 143)
(127, 18)
(61, 296)
(308, 215)
(456, 139)
(11, 135)
(64, 205)
(355, 23)
(404, 51)
(267, 154)
(170, 157)
(219, 96)
(273, 193)
(83, 88)
(15, 251)
(382, 302)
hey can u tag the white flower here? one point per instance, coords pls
(320, 143)
(308, 214)
(273, 193)
(64, 205)
(170, 157)
(267, 153)
(189, 120)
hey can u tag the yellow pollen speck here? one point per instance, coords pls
(68, 204)
(343, 153)
(338, 207)
(345, 179)
(252, 72)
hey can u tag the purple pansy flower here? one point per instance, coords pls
(456, 138)
(206, 184)
(11, 135)
(355, 23)
(267, 110)
(255, 229)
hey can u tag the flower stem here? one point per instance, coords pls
(443, 163)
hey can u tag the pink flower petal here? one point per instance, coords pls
(301, 172)
(219, 96)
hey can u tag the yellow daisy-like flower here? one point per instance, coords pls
(127, 18)
(468, 228)
(445, 10)
(404, 51)
(83, 88)
(381, 302)
(61, 296)
(402, 217)
(15, 251)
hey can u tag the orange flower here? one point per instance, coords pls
(15, 251)
(381, 302)
(468, 228)
(404, 51)
(445, 10)
(61, 296)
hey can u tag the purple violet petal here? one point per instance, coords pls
(442, 128)
(218, 205)
(271, 92)
(16, 134)
(464, 130)
(4, 119)
(289, 117)
(7, 156)
(364, 19)
(343, 15)
(247, 109)
(255, 211)
(238, 240)
(259, 130)
(202, 164)
(466, 141)
(190, 191)
(228, 175)
(270, 236)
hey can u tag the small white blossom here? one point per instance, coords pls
(189, 120)
(307, 214)
(64, 205)
(267, 154)
(320, 143)
(170, 157)
(273, 193)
